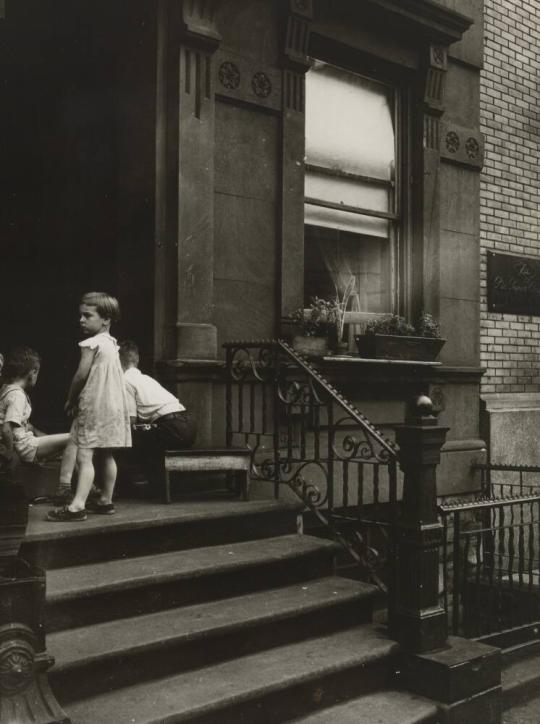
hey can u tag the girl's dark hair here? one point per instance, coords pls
(19, 362)
(107, 306)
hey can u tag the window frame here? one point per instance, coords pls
(401, 80)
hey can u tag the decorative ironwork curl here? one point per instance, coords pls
(272, 390)
(305, 488)
(246, 367)
(295, 393)
(359, 445)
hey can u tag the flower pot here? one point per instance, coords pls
(389, 346)
(310, 346)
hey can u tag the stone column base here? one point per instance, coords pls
(464, 678)
(196, 341)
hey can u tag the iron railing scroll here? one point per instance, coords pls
(308, 437)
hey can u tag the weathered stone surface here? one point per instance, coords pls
(512, 422)
(455, 475)
(459, 200)
(461, 670)
(460, 266)
(249, 27)
(459, 322)
(245, 153)
(462, 95)
(470, 48)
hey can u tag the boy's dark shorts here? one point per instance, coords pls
(175, 431)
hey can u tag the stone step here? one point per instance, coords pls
(81, 595)
(141, 528)
(380, 707)
(267, 687)
(520, 676)
(113, 654)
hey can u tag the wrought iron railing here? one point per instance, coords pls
(308, 437)
(491, 564)
(498, 480)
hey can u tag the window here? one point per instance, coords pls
(352, 199)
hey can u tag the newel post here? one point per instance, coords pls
(417, 620)
(463, 677)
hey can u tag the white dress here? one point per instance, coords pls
(102, 419)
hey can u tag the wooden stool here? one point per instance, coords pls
(234, 461)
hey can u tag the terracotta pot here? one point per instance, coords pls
(13, 521)
(389, 346)
(310, 346)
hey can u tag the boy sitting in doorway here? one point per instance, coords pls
(19, 438)
(159, 421)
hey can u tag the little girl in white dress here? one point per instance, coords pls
(97, 400)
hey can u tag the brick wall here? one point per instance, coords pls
(510, 183)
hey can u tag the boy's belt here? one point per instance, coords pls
(170, 416)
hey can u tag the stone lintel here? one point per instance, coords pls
(426, 17)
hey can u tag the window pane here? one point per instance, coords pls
(349, 122)
(335, 258)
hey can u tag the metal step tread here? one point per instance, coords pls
(64, 584)
(107, 641)
(380, 707)
(209, 690)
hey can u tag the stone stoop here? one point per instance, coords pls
(521, 675)
(229, 616)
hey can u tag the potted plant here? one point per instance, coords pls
(392, 337)
(315, 325)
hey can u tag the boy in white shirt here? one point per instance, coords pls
(171, 426)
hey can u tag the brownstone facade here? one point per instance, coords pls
(166, 163)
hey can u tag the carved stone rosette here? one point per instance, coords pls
(25, 695)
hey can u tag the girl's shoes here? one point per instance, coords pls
(94, 506)
(65, 515)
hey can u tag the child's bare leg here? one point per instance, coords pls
(67, 468)
(86, 478)
(48, 445)
(109, 476)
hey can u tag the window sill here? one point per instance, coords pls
(353, 359)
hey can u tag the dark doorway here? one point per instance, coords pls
(78, 126)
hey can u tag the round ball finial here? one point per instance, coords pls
(423, 406)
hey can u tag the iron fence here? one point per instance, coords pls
(490, 578)
(498, 479)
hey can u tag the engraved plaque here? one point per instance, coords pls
(513, 284)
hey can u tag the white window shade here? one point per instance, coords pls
(349, 122)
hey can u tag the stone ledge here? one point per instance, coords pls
(511, 401)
